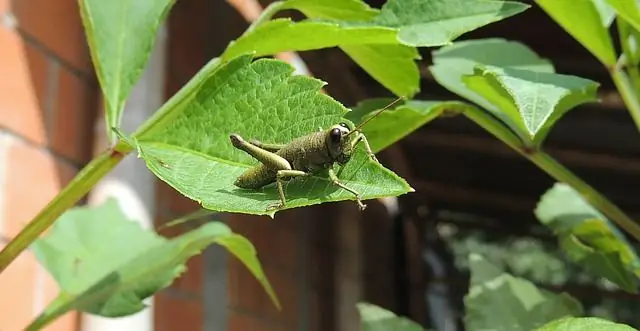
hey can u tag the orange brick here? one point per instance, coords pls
(17, 293)
(57, 25)
(71, 125)
(20, 80)
(243, 322)
(33, 178)
(171, 314)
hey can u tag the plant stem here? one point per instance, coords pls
(552, 167)
(69, 196)
(629, 96)
(266, 15)
(165, 112)
(628, 88)
(625, 32)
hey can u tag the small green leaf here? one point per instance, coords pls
(191, 151)
(333, 9)
(629, 10)
(398, 122)
(607, 13)
(588, 238)
(285, 35)
(375, 318)
(451, 63)
(500, 302)
(430, 23)
(121, 34)
(532, 101)
(392, 65)
(582, 19)
(584, 324)
(107, 265)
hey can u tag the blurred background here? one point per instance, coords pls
(408, 255)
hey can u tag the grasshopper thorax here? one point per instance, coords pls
(338, 143)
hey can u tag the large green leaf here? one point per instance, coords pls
(451, 63)
(582, 19)
(284, 35)
(333, 9)
(584, 324)
(394, 66)
(431, 23)
(587, 237)
(375, 318)
(121, 34)
(189, 148)
(607, 13)
(399, 121)
(106, 264)
(500, 302)
(627, 9)
(532, 101)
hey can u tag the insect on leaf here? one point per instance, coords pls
(191, 151)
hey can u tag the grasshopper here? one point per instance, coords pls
(303, 156)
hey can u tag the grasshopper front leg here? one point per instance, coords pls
(362, 138)
(273, 161)
(336, 181)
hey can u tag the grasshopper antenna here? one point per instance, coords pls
(357, 128)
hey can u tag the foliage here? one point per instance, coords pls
(512, 93)
(589, 238)
(107, 264)
(374, 318)
(499, 301)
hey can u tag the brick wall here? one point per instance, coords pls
(47, 98)
(48, 102)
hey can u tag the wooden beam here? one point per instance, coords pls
(496, 147)
(469, 196)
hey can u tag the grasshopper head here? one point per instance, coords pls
(338, 143)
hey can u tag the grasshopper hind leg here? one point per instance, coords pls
(271, 160)
(280, 177)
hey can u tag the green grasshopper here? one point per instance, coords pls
(303, 156)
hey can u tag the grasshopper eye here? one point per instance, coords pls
(344, 125)
(336, 135)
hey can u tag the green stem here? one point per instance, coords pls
(68, 197)
(266, 15)
(554, 169)
(625, 32)
(165, 112)
(629, 96)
